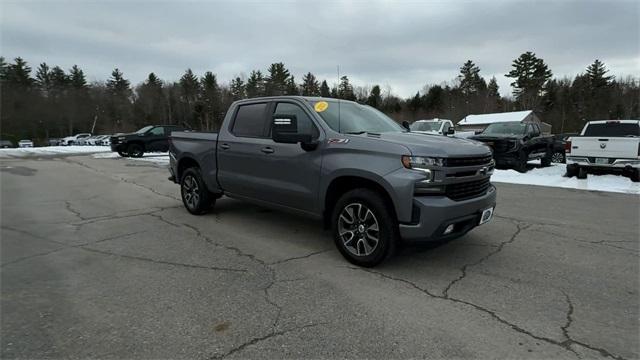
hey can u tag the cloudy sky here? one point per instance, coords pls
(404, 45)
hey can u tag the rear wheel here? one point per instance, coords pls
(365, 231)
(634, 175)
(135, 150)
(195, 195)
(122, 153)
(558, 157)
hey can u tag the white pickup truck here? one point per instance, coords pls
(433, 127)
(607, 146)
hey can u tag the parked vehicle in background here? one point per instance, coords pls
(605, 146)
(75, 139)
(5, 144)
(93, 140)
(516, 143)
(25, 143)
(434, 127)
(372, 181)
(103, 140)
(54, 141)
(150, 138)
(559, 147)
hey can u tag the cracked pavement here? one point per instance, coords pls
(100, 260)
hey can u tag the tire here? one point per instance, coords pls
(135, 150)
(195, 196)
(545, 161)
(635, 175)
(582, 173)
(364, 215)
(572, 171)
(123, 154)
(558, 157)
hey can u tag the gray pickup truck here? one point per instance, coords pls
(372, 181)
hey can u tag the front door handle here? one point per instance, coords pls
(224, 146)
(267, 150)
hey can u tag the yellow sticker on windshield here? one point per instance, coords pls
(321, 106)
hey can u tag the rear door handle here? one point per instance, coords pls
(224, 146)
(267, 150)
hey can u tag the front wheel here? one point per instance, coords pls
(195, 195)
(122, 153)
(582, 173)
(365, 230)
(135, 150)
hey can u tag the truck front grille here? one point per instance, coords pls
(468, 161)
(467, 190)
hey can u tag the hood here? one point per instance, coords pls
(433, 145)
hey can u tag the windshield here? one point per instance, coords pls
(347, 117)
(612, 129)
(144, 129)
(512, 128)
(425, 126)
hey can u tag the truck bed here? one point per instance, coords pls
(200, 146)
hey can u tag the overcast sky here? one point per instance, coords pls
(404, 45)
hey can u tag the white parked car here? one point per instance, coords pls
(606, 146)
(75, 139)
(25, 143)
(433, 126)
(104, 141)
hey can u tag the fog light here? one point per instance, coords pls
(449, 229)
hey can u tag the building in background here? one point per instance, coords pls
(480, 122)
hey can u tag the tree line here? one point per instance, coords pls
(50, 102)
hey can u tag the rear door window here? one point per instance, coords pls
(612, 129)
(157, 131)
(250, 121)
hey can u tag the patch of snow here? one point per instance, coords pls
(156, 158)
(52, 150)
(553, 176)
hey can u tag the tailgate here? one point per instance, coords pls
(609, 147)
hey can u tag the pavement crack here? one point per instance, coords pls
(69, 207)
(520, 227)
(565, 344)
(263, 338)
(299, 257)
(163, 262)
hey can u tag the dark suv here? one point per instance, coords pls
(152, 138)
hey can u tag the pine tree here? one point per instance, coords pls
(493, 96)
(310, 86)
(597, 74)
(19, 73)
(470, 81)
(415, 103)
(255, 84)
(375, 97)
(531, 75)
(292, 87)
(4, 68)
(77, 78)
(212, 101)
(277, 82)
(43, 78)
(237, 89)
(119, 103)
(345, 90)
(324, 89)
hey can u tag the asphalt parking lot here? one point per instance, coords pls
(100, 260)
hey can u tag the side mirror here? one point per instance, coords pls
(451, 131)
(284, 129)
(405, 124)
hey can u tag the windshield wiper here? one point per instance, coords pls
(355, 132)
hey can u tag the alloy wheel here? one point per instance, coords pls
(358, 229)
(557, 157)
(191, 192)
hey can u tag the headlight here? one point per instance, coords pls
(420, 162)
(121, 137)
